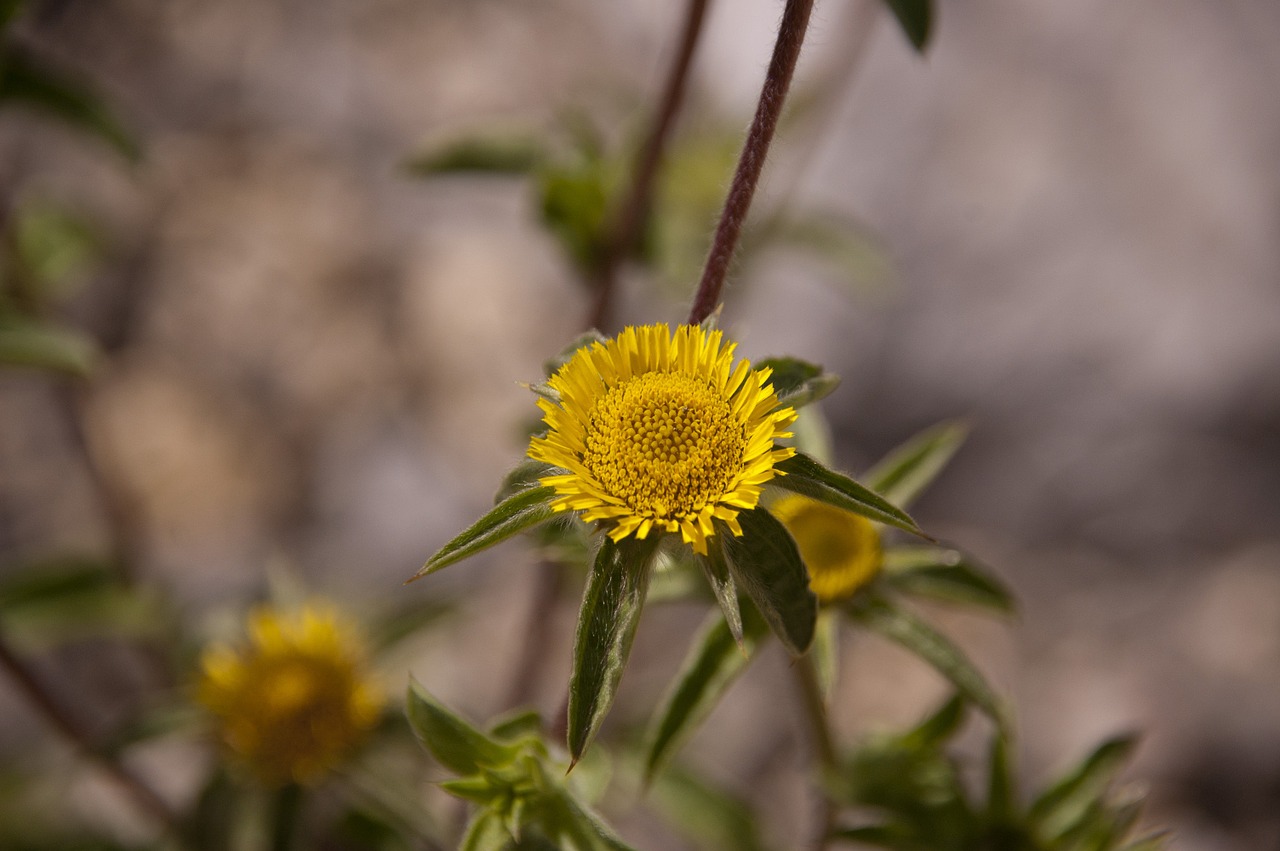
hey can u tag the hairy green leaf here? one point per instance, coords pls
(937, 729)
(486, 832)
(1067, 800)
(767, 566)
(945, 575)
(714, 662)
(916, 19)
(513, 515)
(907, 629)
(607, 623)
(807, 477)
(907, 470)
(577, 344)
(30, 81)
(525, 476)
(716, 569)
(455, 744)
(798, 382)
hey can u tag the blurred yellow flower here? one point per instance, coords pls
(295, 701)
(841, 550)
(662, 430)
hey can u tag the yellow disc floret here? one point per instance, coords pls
(662, 430)
(841, 550)
(294, 702)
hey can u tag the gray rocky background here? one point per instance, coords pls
(313, 359)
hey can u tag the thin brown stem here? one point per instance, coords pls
(824, 749)
(786, 52)
(627, 224)
(57, 716)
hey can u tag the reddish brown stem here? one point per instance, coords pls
(627, 224)
(786, 52)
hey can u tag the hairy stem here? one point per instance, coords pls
(146, 799)
(625, 230)
(786, 51)
(824, 750)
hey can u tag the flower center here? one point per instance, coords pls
(665, 443)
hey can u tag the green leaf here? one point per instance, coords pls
(521, 724)
(30, 343)
(715, 660)
(611, 607)
(1001, 801)
(27, 80)
(916, 19)
(905, 628)
(712, 819)
(767, 566)
(725, 589)
(826, 650)
(945, 575)
(510, 517)
(807, 477)
(576, 822)
(512, 155)
(575, 200)
(526, 476)
(798, 382)
(486, 832)
(454, 743)
(906, 471)
(55, 600)
(1066, 801)
(53, 247)
(390, 631)
(878, 835)
(934, 731)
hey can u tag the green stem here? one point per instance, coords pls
(57, 716)
(786, 52)
(815, 710)
(286, 812)
(635, 205)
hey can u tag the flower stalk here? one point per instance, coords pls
(631, 214)
(782, 66)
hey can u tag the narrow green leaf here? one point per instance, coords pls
(798, 382)
(934, 731)
(455, 744)
(1001, 801)
(718, 576)
(611, 607)
(826, 650)
(581, 825)
(807, 477)
(916, 19)
(403, 624)
(38, 345)
(511, 155)
(1066, 801)
(877, 835)
(767, 566)
(510, 517)
(525, 476)
(913, 633)
(715, 660)
(945, 575)
(906, 471)
(486, 832)
(522, 724)
(29, 81)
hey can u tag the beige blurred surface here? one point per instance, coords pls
(313, 358)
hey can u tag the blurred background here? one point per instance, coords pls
(1062, 223)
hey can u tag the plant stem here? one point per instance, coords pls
(630, 217)
(786, 51)
(146, 799)
(815, 710)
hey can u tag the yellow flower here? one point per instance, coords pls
(662, 430)
(841, 550)
(295, 701)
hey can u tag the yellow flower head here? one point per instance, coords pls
(297, 699)
(662, 430)
(841, 550)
